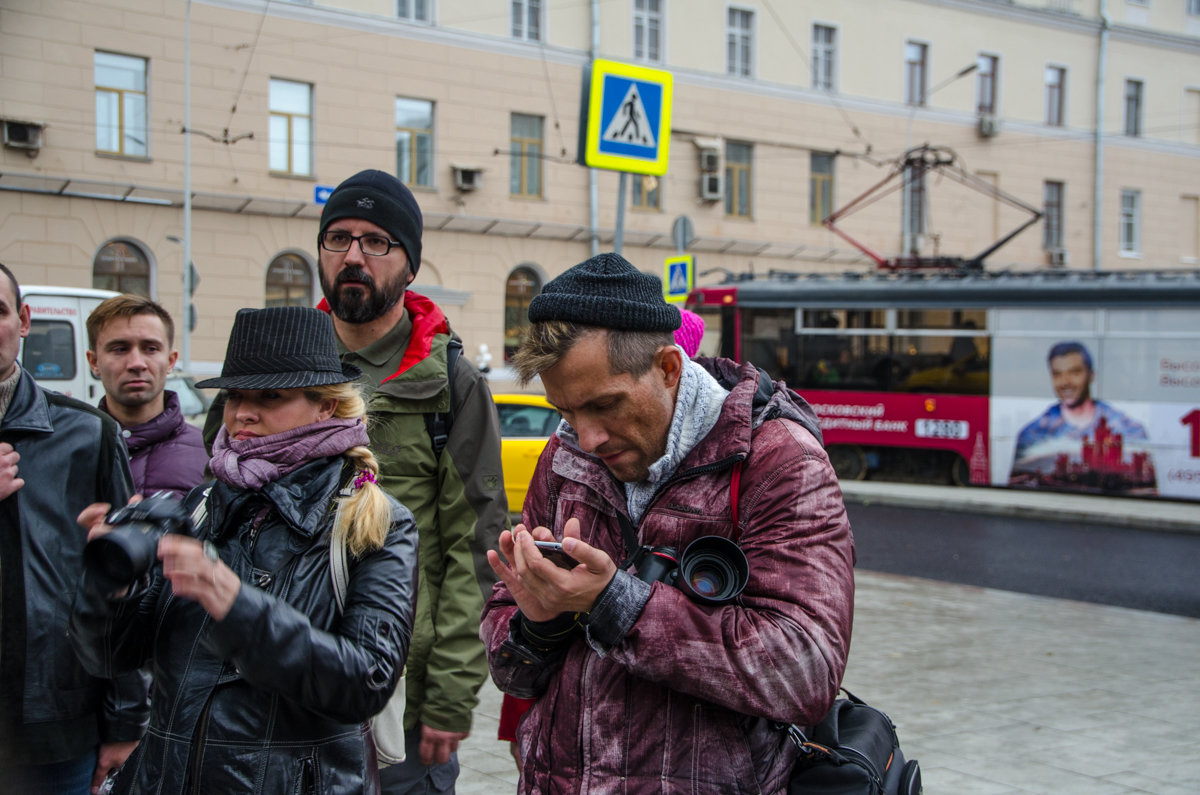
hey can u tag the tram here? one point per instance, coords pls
(1062, 380)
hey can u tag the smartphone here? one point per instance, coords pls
(553, 551)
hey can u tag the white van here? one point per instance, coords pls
(55, 352)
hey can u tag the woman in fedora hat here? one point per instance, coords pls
(262, 683)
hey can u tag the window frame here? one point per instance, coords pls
(739, 195)
(516, 306)
(821, 185)
(916, 73)
(292, 144)
(645, 22)
(288, 285)
(525, 155)
(123, 96)
(740, 41)
(643, 199)
(1130, 226)
(987, 84)
(522, 13)
(824, 68)
(124, 280)
(412, 15)
(1056, 95)
(1134, 105)
(1054, 194)
(417, 135)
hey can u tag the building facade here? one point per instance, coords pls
(1087, 111)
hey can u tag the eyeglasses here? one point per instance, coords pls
(372, 245)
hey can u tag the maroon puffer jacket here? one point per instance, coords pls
(685, 701)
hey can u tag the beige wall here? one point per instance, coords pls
(358, 60)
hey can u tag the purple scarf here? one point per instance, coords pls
(253, 463)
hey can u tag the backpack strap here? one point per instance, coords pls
(437, 423)
(338, 570)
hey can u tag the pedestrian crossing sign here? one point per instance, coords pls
(678, 278)
(629, 118)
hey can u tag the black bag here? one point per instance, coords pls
(853, 751)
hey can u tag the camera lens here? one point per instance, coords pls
(713, 570)
(125, 554)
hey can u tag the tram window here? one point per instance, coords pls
(833, 361)
(948, 365)
(845, 318)
(941, 318)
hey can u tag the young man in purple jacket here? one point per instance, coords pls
(640, 687)
(130, 349)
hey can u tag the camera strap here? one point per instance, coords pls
(633, 552)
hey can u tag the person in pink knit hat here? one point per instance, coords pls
(690, 332)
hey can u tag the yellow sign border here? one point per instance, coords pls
(635, 165)
(691, 278)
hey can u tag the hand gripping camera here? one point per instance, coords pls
(124, 555)
(712, 570)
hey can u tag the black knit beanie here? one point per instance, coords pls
(606, 291)
(383, 200)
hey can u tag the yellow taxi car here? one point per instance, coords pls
(526, 423)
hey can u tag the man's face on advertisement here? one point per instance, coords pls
(1072, 380)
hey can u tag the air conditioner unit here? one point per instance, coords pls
(1057, 257)
(712, 187)
(467, 178)
(25, 135)
(710, 159)
(989, 126)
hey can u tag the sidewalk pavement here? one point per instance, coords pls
(997, 692)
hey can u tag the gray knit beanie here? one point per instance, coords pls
(606, 291)
(385, 201)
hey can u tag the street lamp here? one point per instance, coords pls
(906, 232)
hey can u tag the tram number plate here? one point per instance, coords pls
(942, 429)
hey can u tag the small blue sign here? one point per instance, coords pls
(321, 193)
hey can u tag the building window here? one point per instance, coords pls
(1193, 7)
(414, 141)
(914, 209)
(1190, 228)
(1052, 230)
(915, 55)
(291, 128)
(1131, 221)
(738, 184)
(739, 42)
(647, 30)
(522, 285)
(824, 58)
(289, 281)
(121, 266)
(525, 175)
(527, 20)
(646, 192)
(1056, 92)
(416, 10)
(986, 84)
(120, 104)
(1133, 107)
(820, 187)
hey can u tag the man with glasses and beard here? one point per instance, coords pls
(370, 251)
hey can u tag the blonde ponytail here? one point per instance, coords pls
(366, 514)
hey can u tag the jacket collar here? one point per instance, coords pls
(28, 410)
(155, 430)
(303, 498)
(427, 319)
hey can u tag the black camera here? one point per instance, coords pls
(127, 553)
(712, 569)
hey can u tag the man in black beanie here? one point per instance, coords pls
(662, 688)
(370, 251)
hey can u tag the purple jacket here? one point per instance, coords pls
(166, 453)
(653, 692)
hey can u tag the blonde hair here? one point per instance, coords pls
(366, 515)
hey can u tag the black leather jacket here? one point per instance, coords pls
(71, 456)
(275, 697)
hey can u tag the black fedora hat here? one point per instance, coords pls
(282, 347)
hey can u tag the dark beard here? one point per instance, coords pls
(360, 304)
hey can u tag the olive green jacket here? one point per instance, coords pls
(459, 505)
